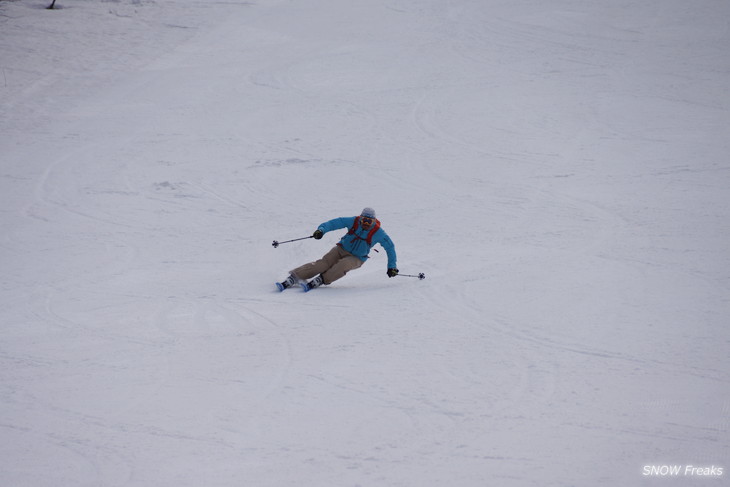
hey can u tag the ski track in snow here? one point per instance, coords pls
(557, 171)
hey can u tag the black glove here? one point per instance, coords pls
(392, 272)
(318, 234)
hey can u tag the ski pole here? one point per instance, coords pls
(421, 276)
(277, 243)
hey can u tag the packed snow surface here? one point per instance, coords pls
(558, 170)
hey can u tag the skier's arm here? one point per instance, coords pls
(389, 247)
(336, 223)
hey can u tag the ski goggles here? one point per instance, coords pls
(366, 220)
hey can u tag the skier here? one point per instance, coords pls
(351, 252)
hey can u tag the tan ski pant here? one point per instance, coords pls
(333, 265)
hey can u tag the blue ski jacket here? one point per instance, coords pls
(356, 243)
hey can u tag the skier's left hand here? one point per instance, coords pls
(392, 272)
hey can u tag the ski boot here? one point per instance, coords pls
(286, 283)
(316, 282)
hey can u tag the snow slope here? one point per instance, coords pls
(558, 170)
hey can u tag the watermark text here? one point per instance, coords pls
(682, 471)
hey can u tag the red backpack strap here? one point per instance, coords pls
(369, 238)
(372, 231)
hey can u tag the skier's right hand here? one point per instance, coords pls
(318, 234)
